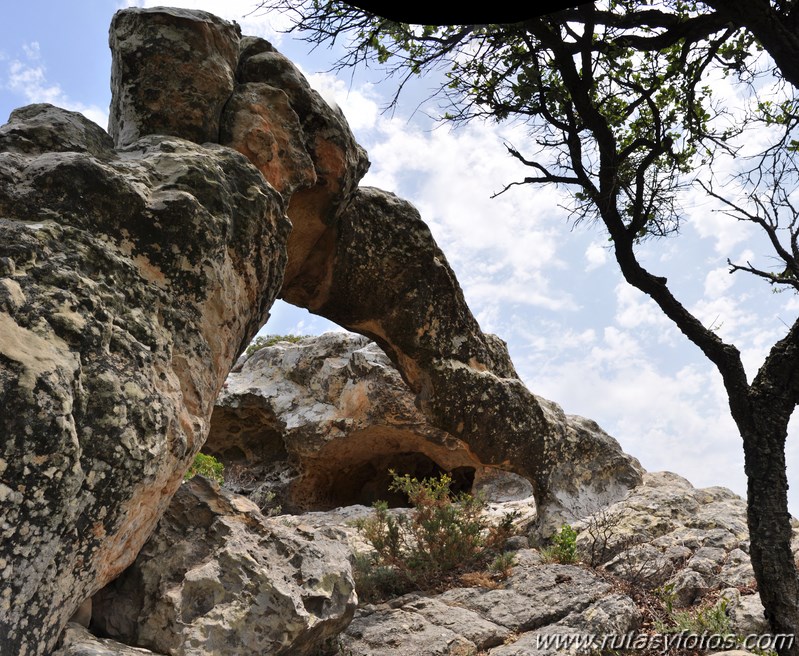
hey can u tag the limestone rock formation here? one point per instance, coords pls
(321, 422)
(79, 641)
(380, 273)
(703, 530)
(172, 72)
(537, 599)
(135, 268)
(690, 541)
(335, 412)
(216, 577)
(272, 90)
(129, 282)
(360, 257)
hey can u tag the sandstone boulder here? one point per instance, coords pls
(173, 71)
(129, 283)
(254, 125)
(216, 577)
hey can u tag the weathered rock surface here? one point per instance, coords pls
(380, 273)
(129, 283)
(667, 531)
(172, 72)
(507, 621)
(79, 641)
(216, 577)
(255, 122)
(362, 258)
(690, 541)
(334, 411)
(134, 269)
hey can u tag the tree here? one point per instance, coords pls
(621, 112)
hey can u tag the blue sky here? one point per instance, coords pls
(577, 333)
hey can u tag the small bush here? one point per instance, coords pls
(502, 564)
(375, 581)
(207, 466)
(270, 340)
(703, 619)
(564, 547)
(444, 535)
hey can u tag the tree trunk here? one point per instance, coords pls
(769, 521)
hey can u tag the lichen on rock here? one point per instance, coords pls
(130, 282)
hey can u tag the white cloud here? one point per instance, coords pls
(596, 255)
(718, 281)
(28, 78)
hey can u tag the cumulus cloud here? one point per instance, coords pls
(26, 76)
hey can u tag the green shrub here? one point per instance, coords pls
(564, 547)
(702, 619)
(443, 535)
(502, 564)
(207, 466)
(270, 340)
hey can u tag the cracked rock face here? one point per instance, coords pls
(509, 621)
(135, 268)
(322, 421)
(216, 577)
(129, 282)
(380, 273)
(363, 257)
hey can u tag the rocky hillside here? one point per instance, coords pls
(135, 267)
(317, 423)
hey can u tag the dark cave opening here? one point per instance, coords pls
(366, 482)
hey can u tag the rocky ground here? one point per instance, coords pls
(219, 577)
(223, 575)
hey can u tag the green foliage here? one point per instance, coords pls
(564, 547)
(270, 340)
(375, 581)
(208, 466)
(265, 500)
(502, 564)
(444, 534)
(712, 619)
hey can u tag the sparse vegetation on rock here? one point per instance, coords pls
(444, 534)
(207, 466)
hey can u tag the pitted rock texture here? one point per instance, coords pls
(381, 274)
(131, 278)
(172, 72)
(689, 540)
(217, 577)
(78, 641)
(537, 599)
(129, 283)
(335, 411)
(363, 257)
(254, 123)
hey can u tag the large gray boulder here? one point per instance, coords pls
(114, 343)
(320, 422)
(217, 577)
